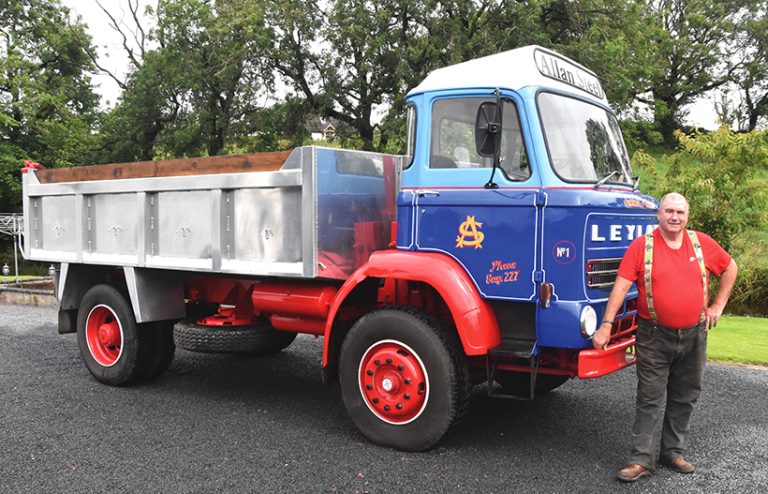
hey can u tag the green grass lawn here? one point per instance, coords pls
(11, 279)
(739, 339)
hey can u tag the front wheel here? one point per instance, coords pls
(404, 380)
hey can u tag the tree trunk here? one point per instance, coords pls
(666, 117)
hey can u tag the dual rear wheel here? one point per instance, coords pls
(115, 348)
(118, 351)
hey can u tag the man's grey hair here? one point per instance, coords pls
(674, 195)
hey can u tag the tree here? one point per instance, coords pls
(47, 104)
(213, 53)
(751, 72)
(149, 105)
(343, 61)
(198, 88)
(351, 58)
(693, 40)
(612, 38)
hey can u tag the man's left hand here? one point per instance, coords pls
(713, 315)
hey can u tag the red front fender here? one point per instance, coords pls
(474, 317)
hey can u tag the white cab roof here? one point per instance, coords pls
(516, 69)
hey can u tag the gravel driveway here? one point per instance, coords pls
(216, 423)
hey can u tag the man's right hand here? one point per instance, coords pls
(618, 294)
(601, 337)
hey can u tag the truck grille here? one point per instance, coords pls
(601, 273)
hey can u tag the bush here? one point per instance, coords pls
(640, 134)
(724, 177)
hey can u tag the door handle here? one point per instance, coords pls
(427, 193)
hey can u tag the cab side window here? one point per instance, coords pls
(453, 138)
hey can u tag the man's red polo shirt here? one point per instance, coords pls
(677, 292)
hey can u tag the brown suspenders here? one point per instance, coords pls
(649, 268)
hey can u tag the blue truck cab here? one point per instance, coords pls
(542, 235)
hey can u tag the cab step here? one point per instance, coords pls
(514, 348)
(518, 349)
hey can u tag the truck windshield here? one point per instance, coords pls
(584, 140)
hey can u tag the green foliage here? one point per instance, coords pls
(196, 91)
(147, 106)
(277, 127)
(46, 100)
(374, 52)
(11, 159)
(208, 88)
(640, 134)
(719, 173)
(723, 176)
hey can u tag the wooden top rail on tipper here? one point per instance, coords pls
(239, 163)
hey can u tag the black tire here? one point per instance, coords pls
(164, 349)
(116, 350)
(519, 382)
(256, 339)
(425, 383)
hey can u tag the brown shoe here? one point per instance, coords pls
(632, 472)
(678, 464)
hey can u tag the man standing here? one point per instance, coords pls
(670, 267)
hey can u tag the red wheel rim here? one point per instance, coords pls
(104, 335)
(393, 382)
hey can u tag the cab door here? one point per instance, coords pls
(492, 232)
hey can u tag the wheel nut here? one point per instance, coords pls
(407, 380)
(399, 406)
(400, 368)
(375, 400)
(389, 360)
(377, 362)
(368, 386)
(386, 407)
(370, 372)
(407, 396)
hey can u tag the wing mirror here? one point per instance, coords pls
(488, 129)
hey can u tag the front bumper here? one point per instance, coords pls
(596, 363)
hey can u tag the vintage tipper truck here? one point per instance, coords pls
(486, 253)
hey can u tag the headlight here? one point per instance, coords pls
(588, 321)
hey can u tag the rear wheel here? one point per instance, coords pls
(164, 349)
(116, 350)
(404, 380)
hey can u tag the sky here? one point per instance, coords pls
(107, 41)
(112, 55)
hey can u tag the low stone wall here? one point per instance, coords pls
(37, 292)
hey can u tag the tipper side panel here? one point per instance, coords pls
(320, 215)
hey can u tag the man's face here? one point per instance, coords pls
(673, 215)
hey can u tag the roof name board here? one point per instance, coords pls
(563, 70)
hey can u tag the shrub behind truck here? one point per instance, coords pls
(485, 254)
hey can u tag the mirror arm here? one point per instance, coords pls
(497, 154)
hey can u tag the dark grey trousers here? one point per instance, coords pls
(671, 362)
